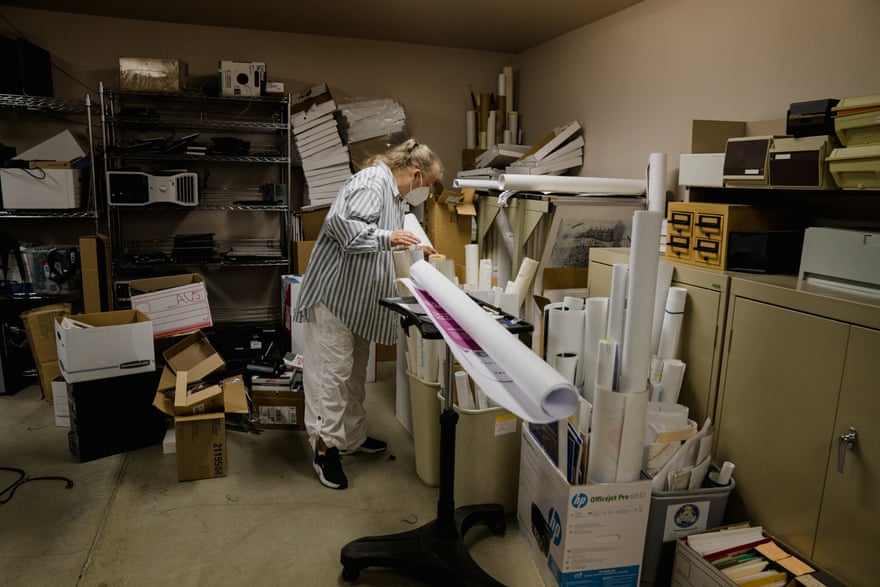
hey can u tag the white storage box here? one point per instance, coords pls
(30, 189)
(858, 120)
(580, 534)
(109, 344)
(701, 169)
(175, 303)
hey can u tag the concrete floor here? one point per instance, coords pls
(127, 521)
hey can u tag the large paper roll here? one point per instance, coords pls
(673, 316)
(566, 184)
(567, 365)
(664, 278)
(657, 182)
(596, 310)
(635, 365)
(671, 379)
(479, 184)
(563, 333)
(471, 129)
(617, 303)
(472, 265)
(523, 280)
(536, 391)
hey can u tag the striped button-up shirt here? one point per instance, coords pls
(351, 266)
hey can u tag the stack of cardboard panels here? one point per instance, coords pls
(39, 325)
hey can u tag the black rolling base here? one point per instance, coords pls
(433, 553)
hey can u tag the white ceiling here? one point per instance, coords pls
(507, 26)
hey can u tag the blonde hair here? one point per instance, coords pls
(410, 154)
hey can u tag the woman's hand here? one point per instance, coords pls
(403, 238)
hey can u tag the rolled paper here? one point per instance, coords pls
(472, 265)
(566, 184)
(566, 364)
(671, 380)
(617, 303)
(664, 279)
(527, 385)
(485, 275)
(673, 316)
(471, 129)
(596, 319)
(635, 363)
(657, 182)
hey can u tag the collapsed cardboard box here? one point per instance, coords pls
(97, 287)
(175, 303)
(104, 344)
(39, 326)
(448, 221)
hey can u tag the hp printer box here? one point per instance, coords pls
(580, 535)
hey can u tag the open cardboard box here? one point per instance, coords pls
(195, 355)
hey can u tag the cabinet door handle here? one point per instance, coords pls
(844, 442)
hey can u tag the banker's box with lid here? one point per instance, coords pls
(857, 120)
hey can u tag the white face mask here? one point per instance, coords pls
(416, 196)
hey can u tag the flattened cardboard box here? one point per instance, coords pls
(113, 344)
(39, 326)
(201, 446)
(175, 303)
(202, 401)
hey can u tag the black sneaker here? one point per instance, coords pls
(370, 446)
(328, 466)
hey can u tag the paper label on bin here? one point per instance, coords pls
(505, 424)
(685, 518)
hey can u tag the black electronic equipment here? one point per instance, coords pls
(768, 251)
(811, 118)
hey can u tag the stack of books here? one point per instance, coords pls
(561, 150)
(316, 137)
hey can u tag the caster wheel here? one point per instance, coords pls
(350, 574)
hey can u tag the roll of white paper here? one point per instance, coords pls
(490, 130)
(657, 182)
(523, 281)
(664, 278)
(673, 317)
(632, 438)
(484, 282)
(481, 140)
(509, 303)
(635, 364)
(671, 379)
(566, 184)
(606, 365)
(595, 325)
(563, 333)
(472, 264)
(566, 364)
(617, 303)
(605, 431)
(438, 260)
(537, 393)
(513, 123)
(507, 137)
(471, 129)
(502, 84)
(461, 183)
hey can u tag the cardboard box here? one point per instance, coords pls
(97, 287)
(302, 250)
(201, 446)
(39, 326)
(175, 303)
(580, 534)
(149, 74)
(194, 354)
(189, 401)
(312, 221)
(448, 220)
(234, 395)
(110, 344)
(278, 410)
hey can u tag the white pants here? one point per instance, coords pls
(334, 373)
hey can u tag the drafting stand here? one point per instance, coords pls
(435, 552)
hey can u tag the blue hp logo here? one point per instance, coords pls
(580, 500)
(554, 524)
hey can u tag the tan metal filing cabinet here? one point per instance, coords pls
(697, 232)
(702, 328)
(800, 369)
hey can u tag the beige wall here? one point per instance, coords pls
(430, 82)
(635, 80)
